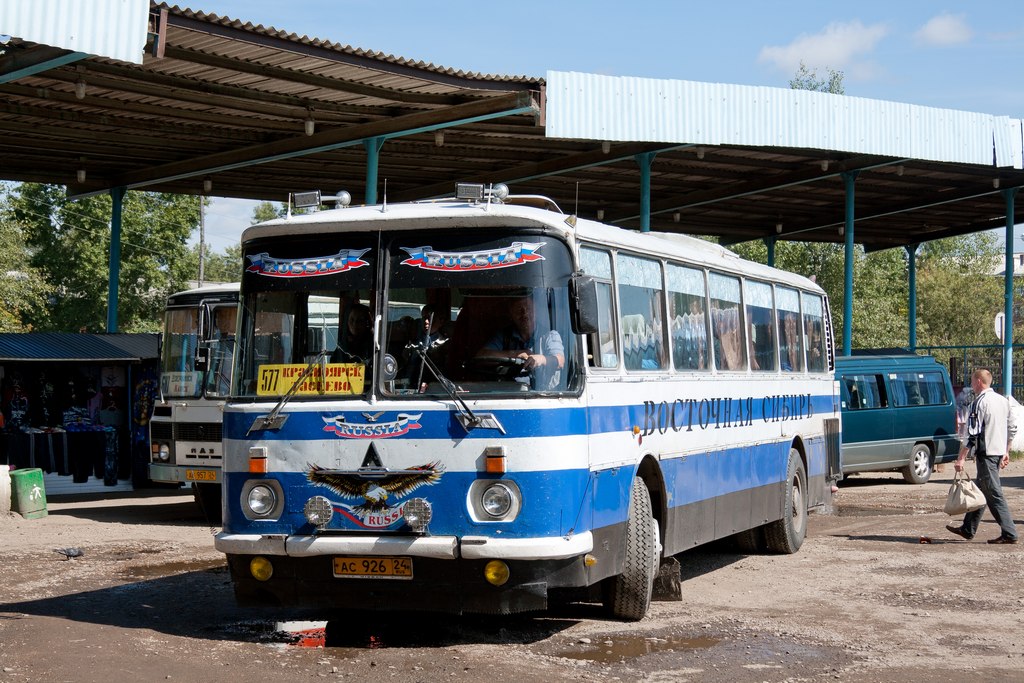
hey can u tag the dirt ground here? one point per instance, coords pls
(865, 599)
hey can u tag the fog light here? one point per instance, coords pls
(496, 572)
(318, 511)
(261, 569)
(417, 513)
(261, 500)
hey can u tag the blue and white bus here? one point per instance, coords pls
(575, 403)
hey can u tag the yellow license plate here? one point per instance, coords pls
(200, 475)
(373, 567)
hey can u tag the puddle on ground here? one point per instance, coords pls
(621, 648)
(153, 571)
(861, 511)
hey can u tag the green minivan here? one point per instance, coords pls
(898, 414)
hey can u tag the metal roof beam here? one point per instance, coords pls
(768, 184)
(549, 167)
(506, 105)
(21, 63)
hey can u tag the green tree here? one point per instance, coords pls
(807, 79)
(70, 244)
(225, 266)
(24, 292)
(957, 297)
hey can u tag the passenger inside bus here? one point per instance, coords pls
(355, 343)
(542, 355)
(433, 331)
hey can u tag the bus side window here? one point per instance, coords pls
(641, 312)
(602, 346)
(730, 349)
(687, 317)
(760, 325)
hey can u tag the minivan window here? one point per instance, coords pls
(864, 392)
(918, 389)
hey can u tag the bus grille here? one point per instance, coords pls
(198, 431)
(832, 453)
(160, 430)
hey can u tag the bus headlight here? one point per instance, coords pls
(261, 500)
(496, 500)
(161, 452)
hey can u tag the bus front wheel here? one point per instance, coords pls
(786, 535)
(628, 595)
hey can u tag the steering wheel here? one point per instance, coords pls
(498, 368)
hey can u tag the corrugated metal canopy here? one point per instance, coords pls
(227, 101)
(66, 346)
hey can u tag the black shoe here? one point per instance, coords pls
(1004, 540)
(959, 531)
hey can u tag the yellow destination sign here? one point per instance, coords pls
(341, 378)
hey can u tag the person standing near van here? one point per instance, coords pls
(991, 428)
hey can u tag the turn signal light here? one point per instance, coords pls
(258, 460)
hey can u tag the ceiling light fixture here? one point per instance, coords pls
(80, 88)
(676, 217)
(600, 214)
(207, 185)
(995, 183)
(778, 228)
(310, 125)
(606, 147)
(439, 138)
(700, 152)
(899, 170)
(824, 164)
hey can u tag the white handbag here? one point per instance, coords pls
(964, 496)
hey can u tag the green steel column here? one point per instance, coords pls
(373, 146)
(848, 179)
(912, 295)
(114, 270)
(1010, 196)
(645, 161)
(770, 243)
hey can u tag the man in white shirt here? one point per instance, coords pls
(990, 431)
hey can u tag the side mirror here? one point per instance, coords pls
(203, 358)
(583, 304)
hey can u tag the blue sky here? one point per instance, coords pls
(956, 55)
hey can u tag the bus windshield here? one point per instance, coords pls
(178, 376)
(486, 313)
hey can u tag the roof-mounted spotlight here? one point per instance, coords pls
(342, 199)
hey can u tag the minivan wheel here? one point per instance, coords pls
(920, 468)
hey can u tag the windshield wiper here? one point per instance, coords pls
(275, 420)
(466, 417)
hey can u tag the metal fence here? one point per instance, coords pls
(963, 360)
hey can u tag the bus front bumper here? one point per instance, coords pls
(164, 473)
(435, 547)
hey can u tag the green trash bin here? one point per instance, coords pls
(28, 497)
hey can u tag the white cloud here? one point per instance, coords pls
(840, 46)
(943, 30)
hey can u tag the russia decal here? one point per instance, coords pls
(371, 429)
(371, 489)
(346, 259)
(515, 254)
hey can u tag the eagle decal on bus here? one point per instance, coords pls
(375, 490)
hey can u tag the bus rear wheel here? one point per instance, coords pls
(628, 595)
(786, 535)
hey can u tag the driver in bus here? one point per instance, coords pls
(356, 338)
(542, 356)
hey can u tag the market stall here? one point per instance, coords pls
(77, 406)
